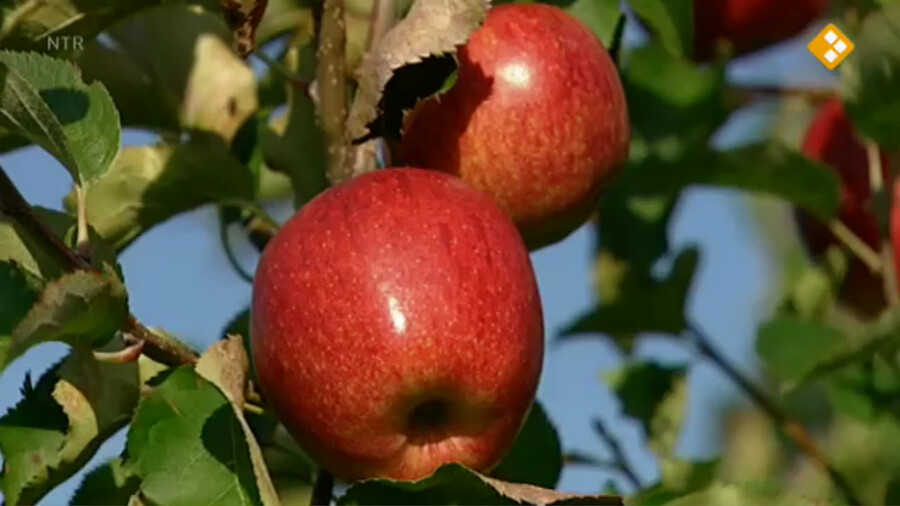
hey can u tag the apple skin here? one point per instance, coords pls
(832, 140)
(397, 326)
(749, 25)
(537, 120)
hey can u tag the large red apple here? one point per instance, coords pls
(832, 140)
(537, 120)
(748, 25)
(396, 326)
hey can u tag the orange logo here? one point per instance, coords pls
(831, 47)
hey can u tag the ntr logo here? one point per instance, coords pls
(831, 47)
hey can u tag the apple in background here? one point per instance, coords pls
(396, 326)
(749, 25)
(832, 140)
(537, 120)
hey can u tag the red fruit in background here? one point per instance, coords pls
(832, 140)
(749, 25)
(537, 120)
(396, 326)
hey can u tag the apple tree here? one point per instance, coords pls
(525, 120)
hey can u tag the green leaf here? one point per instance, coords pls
(859, 347)
(82, 309)
(60, 26)
(746, 495)
(17, 295)
(225, 364)
(61, 422)
(656, 396)
(625, 313)
(536, 456)
(679, 478)
(31, 434)
(18, 245)
(774, 169)
(186, 433)
(770, 168)
(601, 16)
(150, 184)
(672, 21)
(189, 78)
(792, 348)
(456, 484)
(110, 484)
(85, 115)
(872, 78)
(672, 104)
(298, 150)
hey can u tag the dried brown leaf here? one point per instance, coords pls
(432, 28)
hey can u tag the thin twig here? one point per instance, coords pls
(740, 95)
(878, 185)
(876, 170)
(796, 432)
(14, 18)
(332, 88)
(15, 206)
(857, 246)
(293, 79)
(322, 490)
(620, 461)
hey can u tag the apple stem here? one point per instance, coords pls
(332, 87)
(620, 461)
(322, 490)
(794, 430)
(13, 205)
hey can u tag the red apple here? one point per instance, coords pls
(537, 120)
(396, 326)
(749, 25)
(832, 140)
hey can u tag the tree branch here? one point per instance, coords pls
(159, 348)
(332, 88)
(796, 432)
(620, 461)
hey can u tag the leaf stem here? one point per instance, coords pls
(796, 432)
(12, 204)
(82, 243)
(620, 461)
(322, 490)
(332, 88)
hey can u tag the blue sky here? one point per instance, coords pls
(178, 279)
